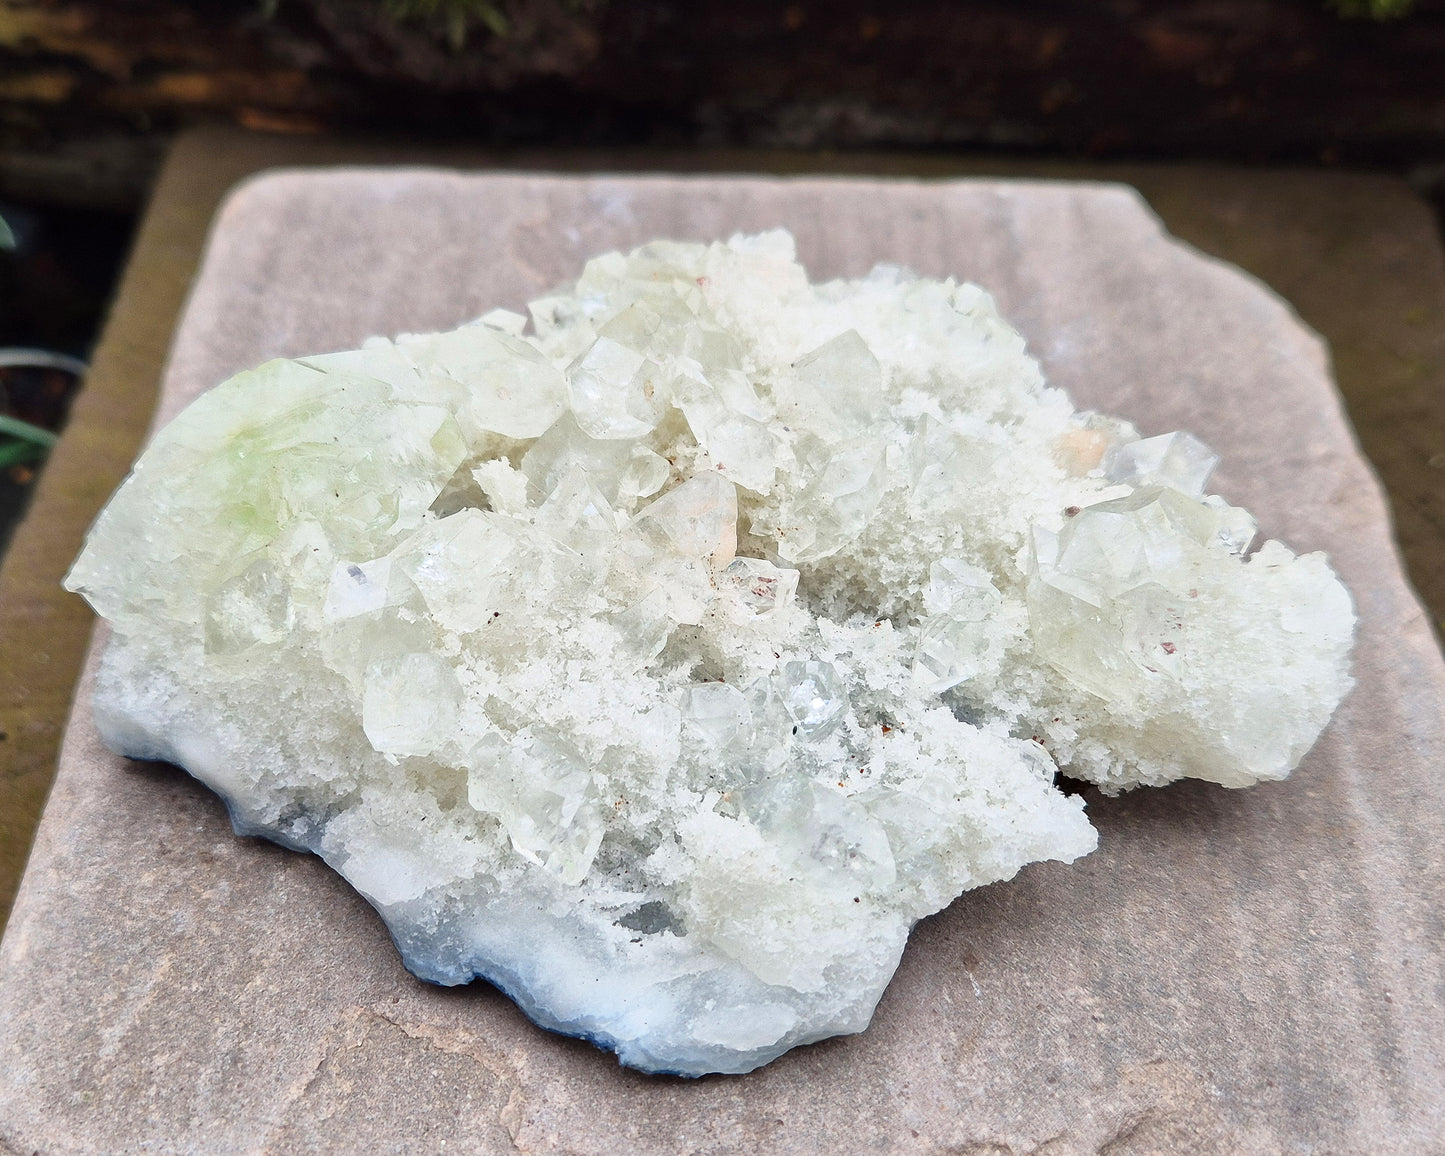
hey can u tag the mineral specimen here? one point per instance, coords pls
(663, 664)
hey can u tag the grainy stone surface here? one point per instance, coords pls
(1247, 972)
(1357, 254)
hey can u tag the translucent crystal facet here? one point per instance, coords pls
(840, 384)
(545, 798)
(623, 470)
(847, 484)
(664, 653)
(717, 713)
(1179, 460)
(961, 590)
(759, 586)
(252, 608)
(502, 383)
(613, 391)
(814, 696)
(410, 704)
(699, 518)
(950, 650)
(741, 446)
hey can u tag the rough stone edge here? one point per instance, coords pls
(1377, 494)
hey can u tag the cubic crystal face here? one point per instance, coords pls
(665, 662)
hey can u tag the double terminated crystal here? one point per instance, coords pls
(625, 661)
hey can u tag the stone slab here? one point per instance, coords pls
(1249, 972)
(1357, 254)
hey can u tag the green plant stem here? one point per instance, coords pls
(14, 453)
(26, 432)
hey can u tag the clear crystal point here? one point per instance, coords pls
(614, 391)
(545, 797)
(1178, 460)
(740, 446)
(577, 514)
(825, 831)
(718, 713)
(848, 482)
(253, 608)
(843, 378)
(961, 589)
(497, 381)
(699, 518)
(759, 587)
(623, 469)
(410, 704)
(814, 697)
(950, 651)
(360, 588)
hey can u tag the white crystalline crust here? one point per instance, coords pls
(666, 658)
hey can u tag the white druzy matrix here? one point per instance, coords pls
(664, 656)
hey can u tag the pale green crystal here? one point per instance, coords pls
(667, 661)
(410, 704)
(251, 609)
(499, 383)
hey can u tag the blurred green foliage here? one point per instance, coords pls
(21, 442)
(1372, 9)
(454, 19)
(455, 16)
(459, 15)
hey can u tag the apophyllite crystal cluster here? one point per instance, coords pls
(663, 657)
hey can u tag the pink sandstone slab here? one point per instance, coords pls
(1232, 972)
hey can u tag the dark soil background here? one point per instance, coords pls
(92, 90)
